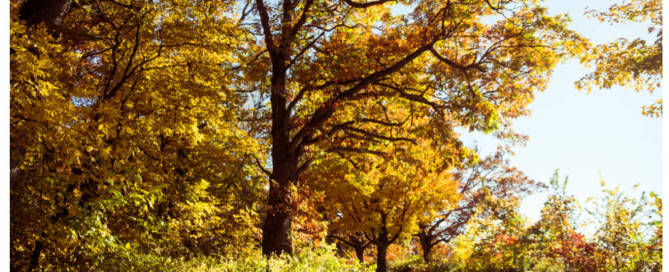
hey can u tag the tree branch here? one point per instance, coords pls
(327, 108)
(300, 22)
(378, 136)
(367, 4)
(267, 29)
(356, 150)
(455, 65)
(260, 166)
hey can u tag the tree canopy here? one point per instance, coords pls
(186, 135)
(322, 63)
(637, 63)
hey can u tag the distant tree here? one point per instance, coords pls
(560, 245)
(498, 238)
(493, 176)
(627, 234)
(355, 240)
(383, 198)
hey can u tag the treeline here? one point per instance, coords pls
(210, 135)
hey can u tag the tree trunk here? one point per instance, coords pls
(426, 245)
(341, 250)
(427, 252)
(381, 262)
(276, 231)
(360, 253)
(277, 226)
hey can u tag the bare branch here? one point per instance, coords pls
(303, 167)
(305, 49)
(297, 98)
(245, 12)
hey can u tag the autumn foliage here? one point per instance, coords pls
(187, 135)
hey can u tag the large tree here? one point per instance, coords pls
(311, 63)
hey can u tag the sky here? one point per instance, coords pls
(584, 134)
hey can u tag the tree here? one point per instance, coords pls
(636, 64)
(560, 244)
(123, 141)
(626, 239)
(315, 62)
(493, 176)
(383, 198)
(498, 238)
(354, 240)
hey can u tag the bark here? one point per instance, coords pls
(381, 254)
(426, 244)
(341, 250)
(285, 158)
(276, 229)
(360, 253)
(277, 226)
(427, 252)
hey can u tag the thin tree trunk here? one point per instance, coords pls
(426, 245)
(360, 253)
(16, 156)
(381, 254)
(427, 252)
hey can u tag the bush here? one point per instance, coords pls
(305, 259)
(416, 264)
